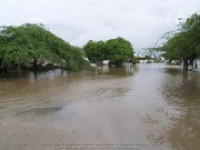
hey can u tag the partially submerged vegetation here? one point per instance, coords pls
(116, 50)
(32, 46)
(184, 43)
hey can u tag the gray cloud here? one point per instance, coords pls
(140, 21)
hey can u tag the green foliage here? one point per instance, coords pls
(31, 45)
(116, 50)
(119, 50)
(184, 44)
(95, 51)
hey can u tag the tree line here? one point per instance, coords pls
(32, 46)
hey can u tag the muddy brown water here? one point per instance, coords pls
(146, 107)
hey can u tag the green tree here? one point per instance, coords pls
(30, 45)
(116, 50)
(119, 50)
(185, 43)
(95, 51)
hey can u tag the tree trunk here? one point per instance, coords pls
(5, 70)
(170, 62)
(191, 64)
(185, 64)
(195, 64)
(0, 67)
(34, 64)
(118, 63)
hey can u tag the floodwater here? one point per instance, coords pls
(144, 106)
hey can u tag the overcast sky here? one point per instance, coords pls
(141, 22)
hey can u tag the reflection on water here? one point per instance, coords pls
(144, 106)
(181, 91)
(51, 74)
